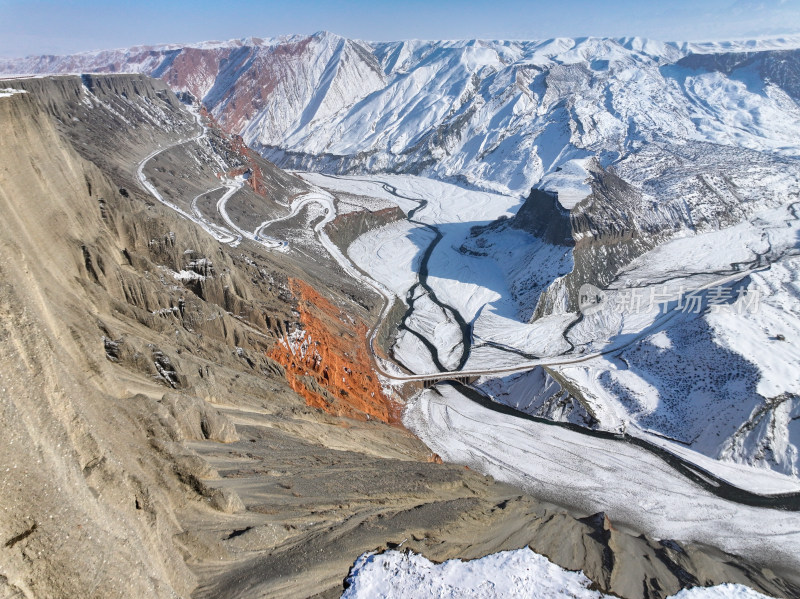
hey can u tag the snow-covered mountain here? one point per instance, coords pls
(645, 139)
(505, 115)
(644, 145)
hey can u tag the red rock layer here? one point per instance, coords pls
(256, 180)
(195, 70)
(330, 364)
(237, 145)
(270, 68)
(260, 70)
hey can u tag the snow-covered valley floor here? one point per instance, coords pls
(634, 487)
(592, 353)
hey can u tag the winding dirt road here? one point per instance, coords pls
(700, 476)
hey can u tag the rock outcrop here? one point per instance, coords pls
(345, 228)
(327, 361)
(152, 448)
(542, 216)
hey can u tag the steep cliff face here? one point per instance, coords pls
(506, 115)
(542, 216)
(659, 193)
(121, 321)
(608, 229)
(586, 243)
(70, 484)
(543, 227)
(133, 114)
(154, 449)
(328, 363)
(641, 141)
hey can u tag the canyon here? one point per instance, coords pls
(240, 275)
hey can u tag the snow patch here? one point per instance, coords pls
(509, 574)
(570, 182)
(520, 573)
(630, 484)
(188, 275)
(10, 91)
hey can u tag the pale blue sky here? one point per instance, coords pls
(50, 27)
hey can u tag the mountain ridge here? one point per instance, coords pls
(502, 116)
(150, 434)
(755, 44)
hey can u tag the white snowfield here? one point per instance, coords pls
(632, 486)
(515, 574)
(723, 418)
(392, 243)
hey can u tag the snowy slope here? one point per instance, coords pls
(634, 487)
(520, 573)
(503, 115)
(700, 382)
(666, 156)
(508, 574)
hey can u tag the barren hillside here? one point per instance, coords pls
(158, 439)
